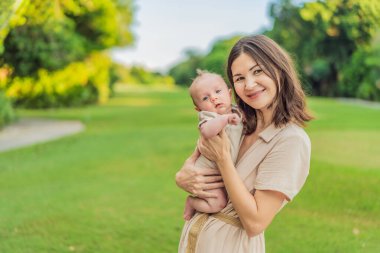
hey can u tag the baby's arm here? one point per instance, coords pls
(212, 127)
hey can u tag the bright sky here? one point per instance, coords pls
(165, 29)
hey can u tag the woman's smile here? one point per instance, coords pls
(256, 94)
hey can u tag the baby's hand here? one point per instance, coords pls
(234, 119)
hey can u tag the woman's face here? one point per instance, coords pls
(251, 84)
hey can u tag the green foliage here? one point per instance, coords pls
(320, 69)
(213, 61)
(140, 76)
(54, 46)
(10, 11)
(6, 11)
(324, 36)
(6, 110)
(51, 34)
(102, 23)
(89, 84)
(184, 72)
(360, 77)
(49, 47)
(216, 59)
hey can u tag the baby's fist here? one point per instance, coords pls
(234, 119)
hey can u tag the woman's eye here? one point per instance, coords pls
(238, 79)
(257, 71)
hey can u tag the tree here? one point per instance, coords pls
(52, 50)
(51, 34)
(184, 72)
(213, 61)
(324, 35)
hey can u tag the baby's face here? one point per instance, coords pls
(211, 93)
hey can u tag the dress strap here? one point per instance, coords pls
(198, 225)
(228, 219)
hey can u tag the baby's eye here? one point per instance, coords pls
(218, 91)
(257, 71)
(204, 98)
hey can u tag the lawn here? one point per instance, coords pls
(111, 188)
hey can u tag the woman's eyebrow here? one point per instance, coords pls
(253, 67)
(248, 70)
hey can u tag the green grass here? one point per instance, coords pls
(111, 188)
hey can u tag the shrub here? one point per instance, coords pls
(6, 111)
(53, 46)
(77, 84)
(140, 76)
(360, 77)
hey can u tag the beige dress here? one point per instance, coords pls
(279, 160)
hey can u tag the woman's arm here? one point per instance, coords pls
(212, 127)
(255, 211)
(198, 181)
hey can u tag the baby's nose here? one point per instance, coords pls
(213, 98)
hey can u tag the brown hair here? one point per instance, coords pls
(289, 102)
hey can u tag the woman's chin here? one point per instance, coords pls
(257, 104)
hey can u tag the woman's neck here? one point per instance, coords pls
(264, 119)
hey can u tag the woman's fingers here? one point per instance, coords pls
(202, 190)
(212, 179)
(212, 186)
(204, 194)
(209, 172)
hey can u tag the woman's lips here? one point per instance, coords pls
(255, 94)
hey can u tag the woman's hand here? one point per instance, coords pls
(215, 148)
(197, 181)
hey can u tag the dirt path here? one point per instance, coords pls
(29, 131)
(365, 103)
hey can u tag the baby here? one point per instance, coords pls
(212, 99)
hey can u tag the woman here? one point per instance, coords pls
(273, 160)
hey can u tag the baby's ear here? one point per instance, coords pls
(197, 109)
(230, 91)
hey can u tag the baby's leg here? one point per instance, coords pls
(189, 209)
(207, 205)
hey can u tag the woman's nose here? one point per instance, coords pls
(250, 83)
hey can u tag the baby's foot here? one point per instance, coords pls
(189, 210)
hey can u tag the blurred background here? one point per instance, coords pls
(122, 68)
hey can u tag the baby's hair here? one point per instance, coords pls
(201, 73)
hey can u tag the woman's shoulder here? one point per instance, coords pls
(295, 133)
